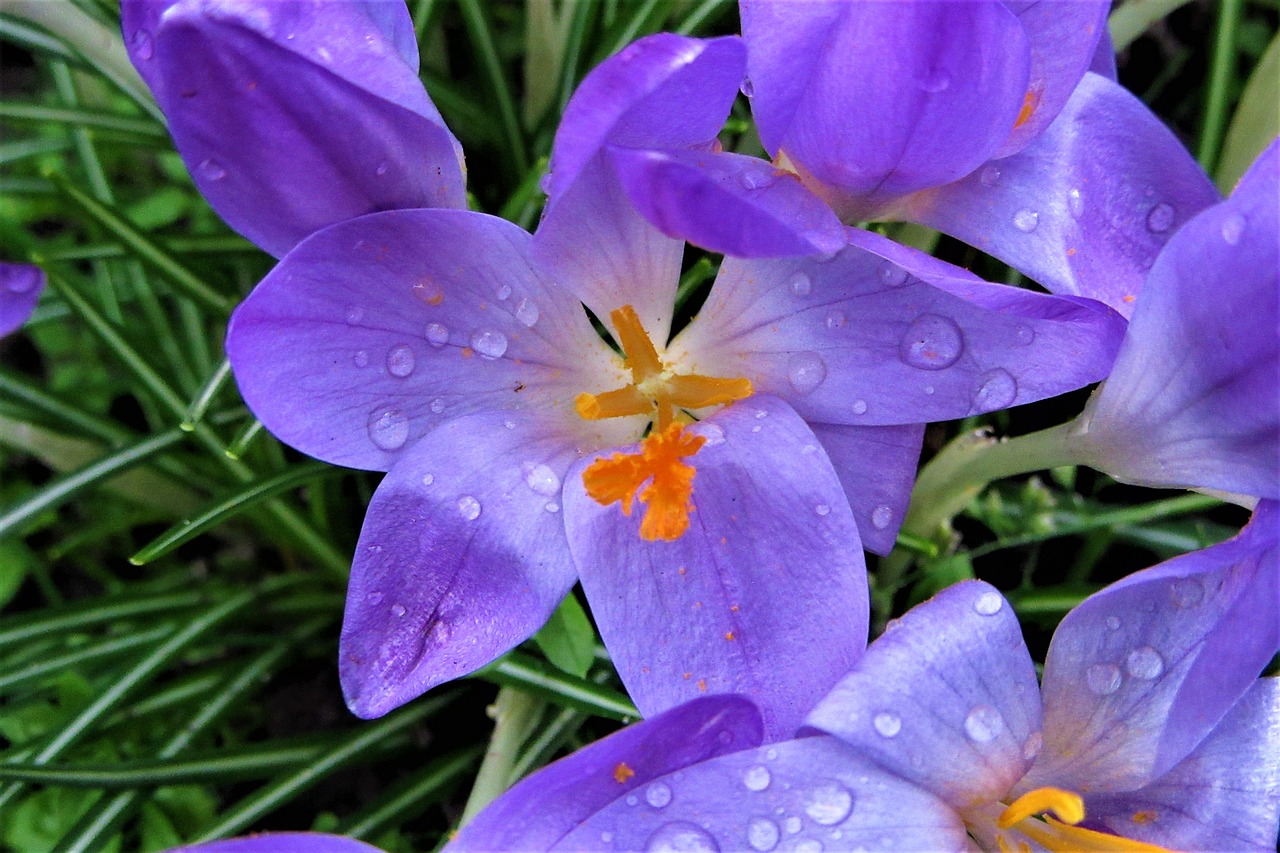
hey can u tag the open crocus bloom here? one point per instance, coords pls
(1151, 730)
(20, 288)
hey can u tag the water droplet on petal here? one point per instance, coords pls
(1186, 592)
(428, 479)
(1160, 218)
(1026, 220)
(937, 80)
(1032, 746)
(1102, 679)
(490, 343)
(762, 834)
(211, 170)
(437, 405)
(859, 407)
(888, 725)
(806, 371)
(1144, 662)
(551, 506)
(1113, 622)
(828, 804)
(988, 604)
(988, 176)
(836, 320)
(381, 169)
(757, 778)
(527, 313)
(747, 88)
(822, 510)
(354, 314)
(400, 361)
(793, 825)
(1075, 203)
(931, 342)
(657, 795)
(388, 429)
(504, 292)
(891, 274)
(361, 358)
(711, 432)
(807, 845)
(800, 284)
(437, 335)
(680, 836)
(468, 508)
(755, 179)
(541, 479)
(1024, 335)
(994, 389)
(143, 47)
(398, 610)
(1233, 228)
(983, 724)
(374, 598)
(881, 516)
(544, 183)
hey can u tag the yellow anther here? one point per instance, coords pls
(642, 357)
(613, 404)
(660, 464)
(691, 391)
(1061, 836)
(1066, 805)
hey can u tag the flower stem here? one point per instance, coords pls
(515, 713)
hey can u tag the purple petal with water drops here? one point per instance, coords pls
(945, 698)
(862, 340)
(20, 289)
(1085, 208)
(538, 812)
(1225, 795)
(1140, 672)
(1194, 398)
(662, 91)
(728, 203)
(1064, 36)
(282, 842)
(462, 556)
(251, 94)
(770, 568)
(363, 339)
(810, 794)
(877, 467)
(875, 100)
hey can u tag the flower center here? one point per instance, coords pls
(1060, 835)
(659, 392)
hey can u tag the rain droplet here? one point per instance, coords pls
(747, 88)
(1075, 203)
(995, 389)
(527, 313)
(888, 725)
(806, 371)
(800, 284)
(881, 516)
(757, 778)
(400, 361)
(468, 508)
(822, 510)
(1160, 218)
(143, 47)
(1113, 622)
(1024, 335)
(680, 836)
(552, 506)
(657, 795)
(891, 274)
(988, 176)
(828, 804)
(381, 169)
(354, 314)
(541, 479)
(1144, 662)
(398, 610)
(504, 292)
(711, 432)
(988, 604)
(388, 428)
(931, 342)
(859, 407)
(762, 834)
(437, 335)
(1102, 679)
(1186, 592)
(808, 845)
(211, 170)
(755, 179)
(437, 405)
(428, 479)
(983, 724)
(793, 825)
(835, 320)
(490, 343)
(1233, 228)
(1032, 746)
(361, 358)
(761, 414)
(324, 54)
(1026, 220)
(374, 598)
(544, 183)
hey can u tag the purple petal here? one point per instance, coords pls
(541, 810)
(1140, 672)
(1194, 398)
(946, 698)
(877, 467)
(872, 101)
(462, 556)
(806, 794)
(20, 289)
(662, 91)
(1224, 796)
(770, 568)
(861, 340)
(281, 842)
(728, 203)
(374, 331)
(251, 97)
(1084, 209)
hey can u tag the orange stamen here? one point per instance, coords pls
(670, 481)
(1060, 835)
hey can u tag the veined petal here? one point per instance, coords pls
(946, 698)
(801, 793)
(1194, 398)
(251, 92)
(376, 330)
(770, 568)
(538, 812)
(862, 340)
(462, 556)
(281, 842)
(1139, 673)
(20, 289)
(1225, 795)
(1086, 207)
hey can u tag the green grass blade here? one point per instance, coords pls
(105, 650)
(543, 679)
(133, 129)
(478, 30)
(427, 786)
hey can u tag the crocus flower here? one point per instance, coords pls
(980, 119)
(282, 842)
(20, 287)
(293, 116)
(452, 350)
(1151, 727)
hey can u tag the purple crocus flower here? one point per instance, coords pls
(452, 350)
(1151, 725)
(20, 288)
(261, 99)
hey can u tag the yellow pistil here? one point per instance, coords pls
(659, 462)
(1066, 805)
(1060, 836)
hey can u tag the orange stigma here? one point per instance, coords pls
(660, 464)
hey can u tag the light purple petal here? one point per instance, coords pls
(374, 331)
(20, 289)
(799, 795)
(1140, 672)
(540, 811)
(872, 101)
(1224, 796)
(1194, 398)
(1104, 57)
(770, 568)
(251, 92)
(861, 340)
(282, 842)
(462, 556)
(945, 698)
(1085, 208)
(877, 467)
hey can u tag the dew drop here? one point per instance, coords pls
(1024, 335)
(747, 87)
(937, 81)
(658, 795)
(541, 479)
(1026, 220)
(428, 479)
(806, 371)
(527, 313)
(822, 510)
(755, 179)
(881, 516)
(931, 342)
(761, 414)
(793, 825)
(836, 320)
(994, 389)
(1113, 623)
(361, 358)
(680, 836)
(400, 361)
(551, 506)
(891, 274)
(211, 170)
(490, 343)
(437, 405)
(504, 292)
(807, 845)
(800, 284)
(468, 508)
(983, 724)
(711, 432)
(1145, 663)
(859, 407)
(1186, 592)
(757, 778)
(1075, 203)
(888, 725)
(1233, 228)
(1160, 218)
(143, 47)
(988, 604)
(762, 834)
(437, 335)
(354, 315)
(388, 429)
(1102, 679)
(1032, 746)
(398, 610)
(544, 183)
(374, 598)
(988, 176)
(828, 804)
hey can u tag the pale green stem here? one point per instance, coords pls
(515, 713)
